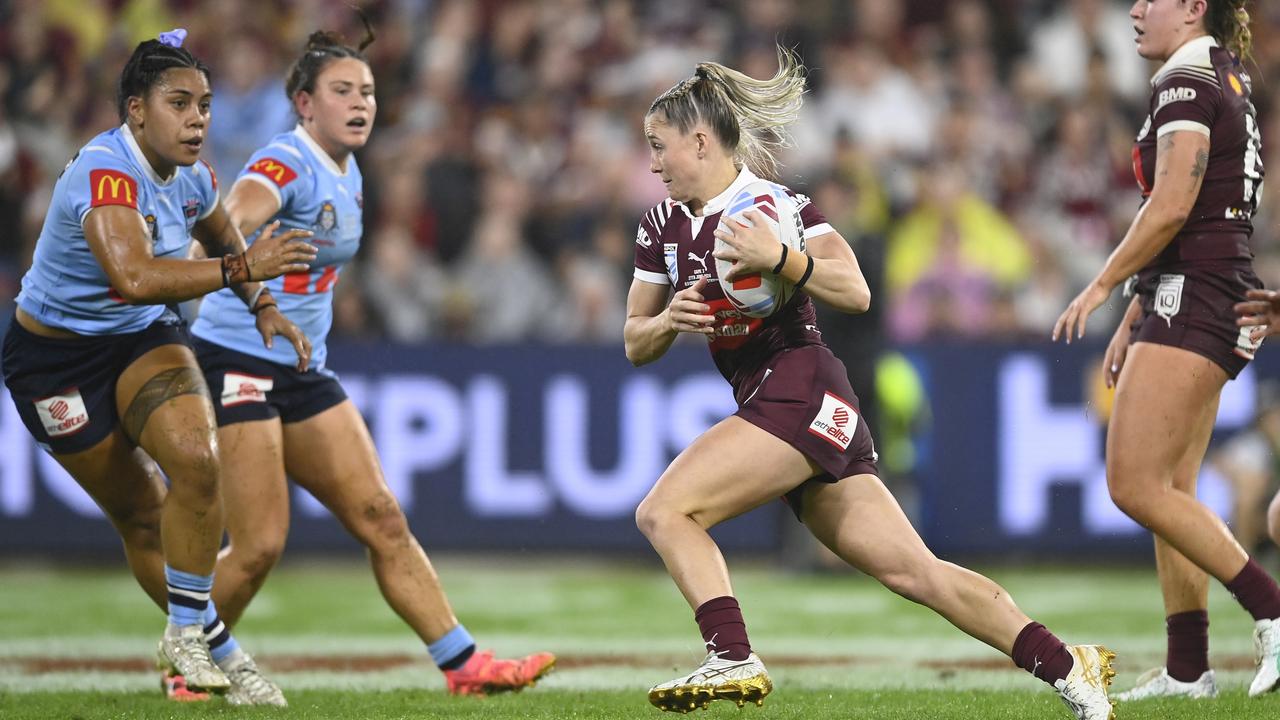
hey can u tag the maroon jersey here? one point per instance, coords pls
(1202, 89)
(673, 247)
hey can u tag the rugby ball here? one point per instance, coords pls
(761, 294)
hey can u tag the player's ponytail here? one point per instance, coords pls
(323, 47)
(149, 61)
(1228, 21)
(750, 116)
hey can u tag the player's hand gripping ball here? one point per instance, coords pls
(761, 294)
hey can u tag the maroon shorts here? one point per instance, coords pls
(1189, 305)
(803, 397)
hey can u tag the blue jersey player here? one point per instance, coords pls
(98, 366)
(273, 417)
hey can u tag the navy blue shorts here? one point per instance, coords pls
(65, 388)
(247, 388)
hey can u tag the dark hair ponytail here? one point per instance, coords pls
(149, 61)
(323, 47)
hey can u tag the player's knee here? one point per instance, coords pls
(649, 516)
(257, 557)
(382, 523)
(1131, 498)
(910, 583)
(139, 526)
(196, 467)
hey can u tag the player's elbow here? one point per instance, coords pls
(133, 288)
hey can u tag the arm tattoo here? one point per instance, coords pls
(1165, 146)
(1202, 163)
(161, 388)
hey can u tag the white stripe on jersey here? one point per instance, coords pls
(1187, 72)
(292, 151)
(1176, 125)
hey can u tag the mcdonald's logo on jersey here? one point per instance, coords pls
(278, 172)
(112, 187)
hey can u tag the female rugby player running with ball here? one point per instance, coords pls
(710, 136)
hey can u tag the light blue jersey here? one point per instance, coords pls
(66, 287)
(316, 195)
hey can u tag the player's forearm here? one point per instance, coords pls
(833, 282)
(222, 239)
(1151, 232)
(161, 280)
(647, 338)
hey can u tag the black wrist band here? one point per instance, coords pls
(778, 268)
(807, 272)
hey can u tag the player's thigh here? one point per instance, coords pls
(733, 467)
(332, 455)
(860, 521)
(165, 407)
(1187, 471)
(1160, 404)
(120, 478)
(254, 488)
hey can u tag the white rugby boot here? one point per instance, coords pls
(1084, 690)
(1157, 682)
(717, 678)
(183, 651)
(1266, 655)
(248, 685)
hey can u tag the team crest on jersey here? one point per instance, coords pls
(669, 256)
(642, 237)
(328, 217)
(191, 208)
(150, 220)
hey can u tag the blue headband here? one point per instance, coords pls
(174, 37)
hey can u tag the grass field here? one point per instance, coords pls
(76, 644)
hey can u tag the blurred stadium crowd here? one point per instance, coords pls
(975, 153)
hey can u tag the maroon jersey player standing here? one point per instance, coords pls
(1198, 162)
(710, 135)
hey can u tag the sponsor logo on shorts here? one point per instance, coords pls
(835, 422)
(238, 389)
(63, 414)
(1246, 346)
(1168, 300)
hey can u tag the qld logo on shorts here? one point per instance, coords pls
(238, 389)
(1168, 300)
(63, 414)
(835, 422)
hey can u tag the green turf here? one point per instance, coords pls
(607, 705)
(838, 646)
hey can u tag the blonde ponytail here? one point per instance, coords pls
(1228, 21)
(750, 116)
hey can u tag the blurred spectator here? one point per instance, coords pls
(509, 158)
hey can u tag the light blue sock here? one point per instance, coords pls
(188, 596)
(218, 635)
(453, 650)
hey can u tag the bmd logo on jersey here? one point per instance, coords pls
(1173, 95)
(112, 187)
(63, 414)
(276, 171)
(238, 389)
(835, 422)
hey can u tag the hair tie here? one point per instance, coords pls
(174, 37)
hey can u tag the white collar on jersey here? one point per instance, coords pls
(136, 151)
(719, 202)
(1188, 50)
(325, 159)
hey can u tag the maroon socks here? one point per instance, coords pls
(723, 629)
(1188, 654)
(1256, 592)
(1042, 654)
